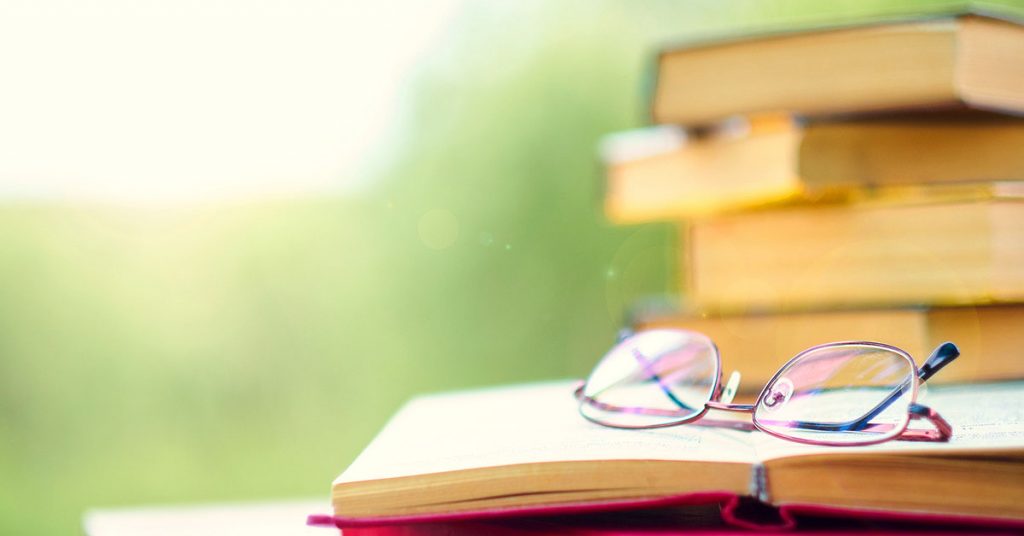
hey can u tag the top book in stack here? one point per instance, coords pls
(970, 61)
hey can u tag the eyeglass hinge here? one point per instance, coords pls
(759, 483)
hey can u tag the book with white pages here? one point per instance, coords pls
(526, 450)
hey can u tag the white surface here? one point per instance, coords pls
(284, 518)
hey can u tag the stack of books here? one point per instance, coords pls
(854, 184)
(862, 183)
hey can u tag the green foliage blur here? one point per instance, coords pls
(250, 350)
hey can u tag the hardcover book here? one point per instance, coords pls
(948, 63)
(840, 256)
(754, 343)
(666, 172)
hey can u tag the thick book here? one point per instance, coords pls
(843, 256)
(525, 450)
(666, 172)
(990, 337)
(940, 63)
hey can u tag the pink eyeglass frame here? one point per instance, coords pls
(940, 357)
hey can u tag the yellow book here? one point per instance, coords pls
(957, 253)
(966, 61)
(915, 150)
(666, 172)
(990, 338)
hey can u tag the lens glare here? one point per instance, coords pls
(845, 394)
(653, 378)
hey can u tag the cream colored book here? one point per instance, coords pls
(525, 449)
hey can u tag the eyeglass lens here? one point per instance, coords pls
(839, 394)
(652, 378)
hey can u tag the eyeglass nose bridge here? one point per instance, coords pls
(723, 400)
(741, 408)
(724, 406)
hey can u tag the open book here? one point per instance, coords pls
(525, 449)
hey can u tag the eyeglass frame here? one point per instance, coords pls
(941, 356)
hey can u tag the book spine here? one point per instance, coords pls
(759, 483)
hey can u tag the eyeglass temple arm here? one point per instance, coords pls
(943, 355)
(942, 432)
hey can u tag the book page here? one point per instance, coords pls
(524, 424)
(983, 416)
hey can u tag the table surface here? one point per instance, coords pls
(279, 518)
(288, 518)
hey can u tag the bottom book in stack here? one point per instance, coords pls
(990, 338)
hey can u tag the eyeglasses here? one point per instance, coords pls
(841, 393)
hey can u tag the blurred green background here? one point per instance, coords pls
(250, 350)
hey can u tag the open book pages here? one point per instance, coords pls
(538, 423)
(525, 424)
(985, 417)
